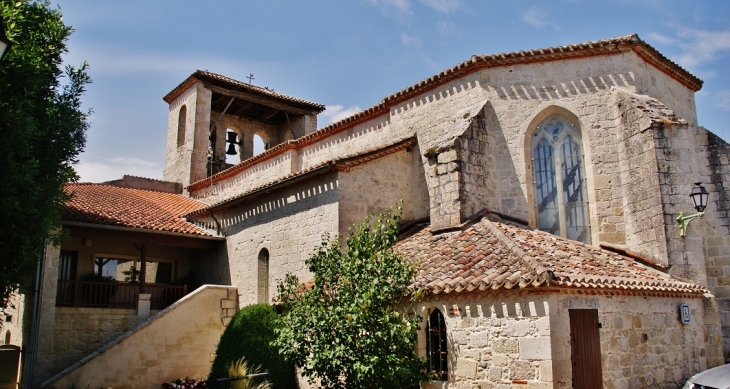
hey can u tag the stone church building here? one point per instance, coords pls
(540, 190)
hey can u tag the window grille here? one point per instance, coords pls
(436, 345)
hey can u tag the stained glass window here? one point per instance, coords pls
(560, 195)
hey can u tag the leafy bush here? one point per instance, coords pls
(249, 335)
(351, 329)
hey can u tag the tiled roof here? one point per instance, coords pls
(235, 84)
(654, 109)
(491, 255)
(609, 46)
(129, 207)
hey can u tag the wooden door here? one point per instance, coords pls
(585, 349)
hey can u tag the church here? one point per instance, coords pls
(541, 191)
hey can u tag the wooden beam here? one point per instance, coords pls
(269, 102)
(268, 114)
(142, 238)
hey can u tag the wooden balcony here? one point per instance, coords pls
(72, 293)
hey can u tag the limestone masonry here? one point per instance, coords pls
(540, 190)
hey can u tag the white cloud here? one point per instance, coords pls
(663, 39)
(446, 27)
(721, 99)
(535, 17)
(702, 46)
(114, 60)
(336, 112)
(396, 8)
(697, 46)
(410, 41)
(443, 6)
(114, 168)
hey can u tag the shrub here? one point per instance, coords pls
(350, 328)
(248, 336)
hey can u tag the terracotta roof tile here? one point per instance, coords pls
(611, 46)
(490, 255)
(129, 207)
(231, 83)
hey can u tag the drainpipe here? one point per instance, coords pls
(217, 224)
(29, 357)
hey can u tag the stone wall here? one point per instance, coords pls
(643, 342)
(494, 342)
(288, 223)
(639, 179)
(508, 340)
(187, 163)
(178, 342)
(377, 185)
(717, 243)
(80, 331)
(516, 96)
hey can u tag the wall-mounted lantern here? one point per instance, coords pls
(4, 41)
(699, 197)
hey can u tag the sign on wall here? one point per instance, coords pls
(684, 313)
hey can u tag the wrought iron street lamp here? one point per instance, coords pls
(699, 197)
(4, 41)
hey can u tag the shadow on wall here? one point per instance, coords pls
(562, 89)
(290, 201)
(442, 92)
(357, 131)
(213, 268)
(511, 196)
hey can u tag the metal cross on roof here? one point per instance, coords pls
(250, 78)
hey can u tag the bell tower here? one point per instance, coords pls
(211, 116)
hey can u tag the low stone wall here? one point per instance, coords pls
(80, 331)
(177, 342)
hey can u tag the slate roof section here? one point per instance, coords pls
(130, 207)
(492, 255)
(203, 75)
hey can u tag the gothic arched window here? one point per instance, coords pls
(436, 345)
(181, 121)
(263, 276)
(559, 176)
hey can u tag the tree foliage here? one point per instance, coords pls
(42, 131)
(352, 327)
(249, 336)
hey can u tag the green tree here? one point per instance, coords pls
(352, 328)
(42, 131)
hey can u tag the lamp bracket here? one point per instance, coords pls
(684, 222)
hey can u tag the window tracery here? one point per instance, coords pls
(559, 179)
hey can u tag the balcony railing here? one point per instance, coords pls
(72, 293)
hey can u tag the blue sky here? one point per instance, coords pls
(345, 54)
